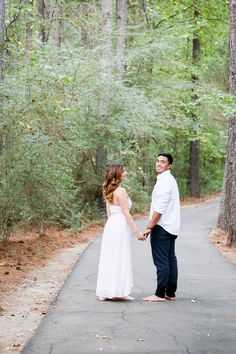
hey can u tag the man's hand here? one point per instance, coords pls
(147, 232)
(140, 236)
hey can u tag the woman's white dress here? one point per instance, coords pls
(115, 274)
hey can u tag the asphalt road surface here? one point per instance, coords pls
(201, 320)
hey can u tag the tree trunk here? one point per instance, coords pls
(194, 151)
(106, 6)
(2, 41)
(146, 165)
(28, 25)
(232, 68)
(194, 188)
(84, 30)
(121, 24)
(227, 214)
(42, 12)
(106, 63)
(59, 27)
(2, 45)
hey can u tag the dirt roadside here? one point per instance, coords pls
(33, 270)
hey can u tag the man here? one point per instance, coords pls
(164, 228)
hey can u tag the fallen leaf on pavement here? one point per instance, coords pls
(102, 337)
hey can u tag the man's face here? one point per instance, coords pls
(162, 164)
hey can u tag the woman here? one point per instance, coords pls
(115, 275)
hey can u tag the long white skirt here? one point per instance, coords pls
(115, 274)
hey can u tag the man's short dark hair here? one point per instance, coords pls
(168, 156)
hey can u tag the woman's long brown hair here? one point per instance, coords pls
(112, 180)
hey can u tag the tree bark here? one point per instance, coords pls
(2, 40)
(194, 150)
(232, 68)
(121, 25)
(194, 187)
(59, 27)
(106, 6)
(84, 30)
(42, 12)
(227, 213)
(28, 25)
(2, 45)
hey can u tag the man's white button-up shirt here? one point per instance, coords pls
(165, 201)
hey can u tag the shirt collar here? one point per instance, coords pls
(163, 175)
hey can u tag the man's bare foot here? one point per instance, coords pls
(170, 298)
(154, 298)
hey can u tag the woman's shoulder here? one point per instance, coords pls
(120, 191)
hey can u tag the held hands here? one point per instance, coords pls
(146, 232)
(140, 236)
(143, 236)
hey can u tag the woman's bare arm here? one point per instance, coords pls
(122, 197)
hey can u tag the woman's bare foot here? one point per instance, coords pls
(154, 298)
(101, 298)
(125, 298)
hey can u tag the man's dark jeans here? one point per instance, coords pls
(163, 253)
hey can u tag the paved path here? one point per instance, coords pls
(202, 320)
